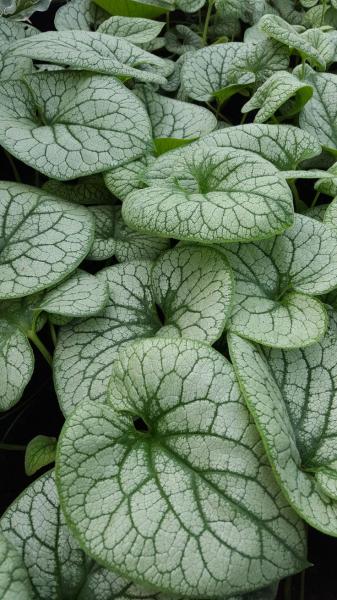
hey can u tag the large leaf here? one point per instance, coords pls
(283, 32)
(92, 51)
(135, 30)
(292, 397)
(114, 238)
(14, 579)
(16, 364)
(69, 124)
(319, 116)
(46, 549)
(43, 239)
(193, 288)
(79, 14)
(283, 145)
(136, 8)
(273, 94)
(213, 195)
(223, 69)
(275, 281)
(184, 468)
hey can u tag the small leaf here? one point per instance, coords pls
(182, 39)
(16, 364)
(189, 6)
(23, 8)
(123, 180)
(278, 29)
(42, 242)
(273, 94)
(283, 391)
(114, 238)
(40, 452)
(14, 579)
(275, 280)
(328, 185)
(149, 9)
(79, 14)
(91, 51)
(182, 466)
(215, 195)
(134, 30)
(81, 295)
(47, 121)
(85, 190)
(318, 116)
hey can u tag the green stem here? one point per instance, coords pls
(208, 17)
(13, 166)
(12, 447)
(53, 333)
(294, 190)
(243, 119)
(323, 13)
(41, 347)
(287, 589)
(314, 202)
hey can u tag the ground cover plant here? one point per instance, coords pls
(168, 248)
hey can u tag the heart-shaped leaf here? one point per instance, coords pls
(47, 550)
(92, 51)
(135, 30)
(79, 14)
(16, 364)
(114, 238)
(43, 239)
(292, 397)
(275, 92)
(275, 281)
(182, 465)
(196, 304)
(14, 579)
(40, 452)
(95, 124)
(213, 195)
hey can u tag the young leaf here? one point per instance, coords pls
(283, 145)
(114, 238)
(275, 280)
(203, 194)
(70, 124)
(292, 398)
(182, 465)
(85, 190)
(81, 295)
(278, 29)
(318, 116)
(14, 579)
(40, 452)
(16, 364)
(273, 94)
(92, 51)
(137, 31)
(79, 14)
(136, 8)
(43, 239)
(47, 550)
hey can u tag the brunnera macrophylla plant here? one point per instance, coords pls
(174, 261)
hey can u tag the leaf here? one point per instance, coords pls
(40, 452)
(81, 295)
(12, 67)
(275, 280)
(86, 190)
(283, 145)
(196, 305)
(42, 239)
(79, 14)
(16, 366)
(225, 68)
(203, 194)
(15, 30)
(140, 8)
(182, 39)
(328, 185)
(273, 94)
(114, 238)
(283, 392)
(135, 30)
(70, 124)
(318, 116)
(183, 468)
(92, 51)
(278, 29)
(189, 6)
(56, 565)
(14, 580)
(172, 118)
(123, 180)
(23, 8)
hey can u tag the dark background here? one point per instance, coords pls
(38, 413)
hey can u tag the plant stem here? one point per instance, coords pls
(243, 119)
(314, 202)
(41, 347)
(53, 333)
(207, 20)
(12, 447)
(294, 190)
(287, 589)
(13, 166)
